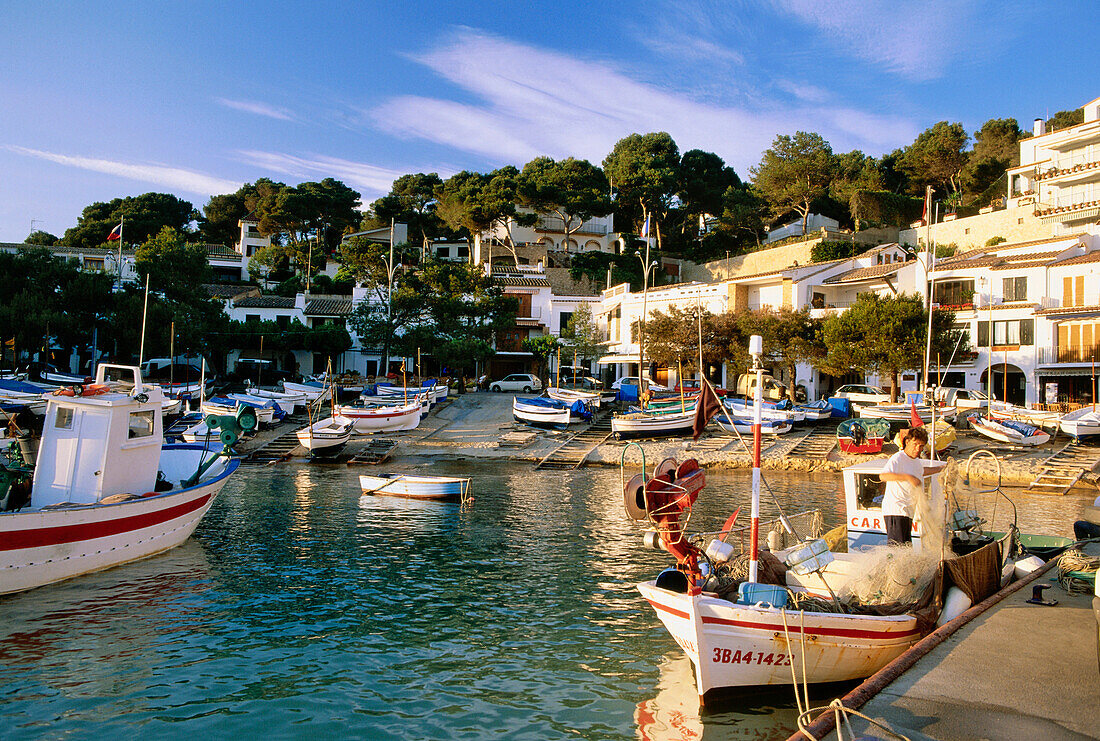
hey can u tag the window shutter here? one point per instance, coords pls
(1067, 291)
(1079, 292)
(1027, 331)
(983, 334)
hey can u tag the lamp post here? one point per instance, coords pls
(646, 269)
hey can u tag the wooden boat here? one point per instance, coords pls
(640, 424)
(815, 411)
(1008, 431)
(286, 400)
(1080, 423)
(592, 399)
(415, 487)
(769, 410)
(744, 426)
(125, 497)
(541, 412)
(261, 405)
(326, 437)
(862, 436)
(435, 392)
(370, 419)
(201, 433)
(1033, 417)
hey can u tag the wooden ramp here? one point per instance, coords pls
(573, 452)
(712, 442)
(378, 450)
(276, 450)
(1062, 471)
(815, 444)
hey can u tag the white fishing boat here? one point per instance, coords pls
(642, 424)
(1081, 423)
(541, 412)
(326, 437)
(201, 433)
(770, 411)
(415, 487)
(226, 405)
(1004, 410)
(1008, 431)
(188, 389)
(287, 401)
(103, 489)
(311, 390)
(816, 411)
(744, 426)
(369, 419)
(592, 399)
(903, 413)
(434, 394)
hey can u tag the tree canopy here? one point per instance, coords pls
(643, 169)
(571, 189)
(145, 215)
(412, 200)
(794, 172)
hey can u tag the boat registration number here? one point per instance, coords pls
(727, 656)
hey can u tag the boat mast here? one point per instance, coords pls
(756, 349)
(144, 314)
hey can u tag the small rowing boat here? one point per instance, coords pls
(415, 487)
(1008, 431)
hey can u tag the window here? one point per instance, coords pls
(966, 231)
(1007, 332)
(463, 250)
(953, 292)
(1073, 290)
(442, 252)
(283, 322)
(565, 317)
(252, 318)
(141, 424)
(1015, 289)
(64, 419)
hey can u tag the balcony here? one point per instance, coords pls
(596, 226)
(1073, 354)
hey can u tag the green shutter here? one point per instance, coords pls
(983, 334)
(1027, 331)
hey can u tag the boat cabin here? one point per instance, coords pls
(863, 490)
(99, 440)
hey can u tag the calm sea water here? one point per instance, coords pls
(301, 610)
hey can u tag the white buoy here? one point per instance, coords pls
(954, 604)
(1026, 565)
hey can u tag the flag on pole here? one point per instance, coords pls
(116, 233)
(914, 418)
(645, 228)
(927, 215)
(705, 408)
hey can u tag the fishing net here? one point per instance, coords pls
(901, 574)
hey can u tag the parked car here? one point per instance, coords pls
(773, 390)
(260, 372)
(861, 395)
(633, 381)
(524, 382)
(581, 383)
(961, 399)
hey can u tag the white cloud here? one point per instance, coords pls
(370, 179)
(538, 102)
(257, 108)
(173, 178)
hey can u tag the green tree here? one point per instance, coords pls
(885, 336)
(477, 203)
(936, 158)
(790, 338)
(643, 169)
(176, 269)
(996, 148)
(412, 200)
(582, 334)
(145, 215)
(41, 238)
(856, 176)
(794, 172)
(542, 347)
(306, 221)
(1065, 119)
(571, 189)
(221, 216)
(464, 354)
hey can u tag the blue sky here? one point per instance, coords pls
(108, 99)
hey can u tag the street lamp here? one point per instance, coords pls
(646, 269)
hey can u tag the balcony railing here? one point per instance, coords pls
(595, 226)
(1071, 354)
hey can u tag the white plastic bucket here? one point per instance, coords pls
(1026, 565)
(954, 604)
(719, 551)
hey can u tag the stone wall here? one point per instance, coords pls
(1014, 224)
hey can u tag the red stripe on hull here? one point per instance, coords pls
(50, 536)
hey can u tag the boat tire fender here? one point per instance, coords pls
(673, 581)
(634, 498)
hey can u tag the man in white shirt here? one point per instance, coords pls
(904, 477)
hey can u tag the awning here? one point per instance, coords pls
(612, 359)
(1063, 371)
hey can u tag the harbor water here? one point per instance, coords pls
(302, 610)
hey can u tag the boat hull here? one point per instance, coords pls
(744, 646)
(327, 437)
(643, 425)
(382, 419)
(46, 546)
(540, 416)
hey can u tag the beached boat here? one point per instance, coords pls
(415, 487)
(542, 412)
(201, 433)
(903, 413)
(641, 424)
(1034, 417)
(1080, 423)
(862, 436)
(287, 400)
(370, 419)
(1008, 431)
(592, 399)
(744, 426)
(435, 392)
(224, 405)
(326, 437)
(768, 410)
(312, 390)
(815, 411)
(103, 489)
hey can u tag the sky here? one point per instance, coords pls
(100, 100)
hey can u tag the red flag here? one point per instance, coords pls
(116, 233)
(914, 418)
(927, 215)
(705, 408)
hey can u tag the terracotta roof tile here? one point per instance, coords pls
(1078, 260)
(874, 271)
(265, 302)
(328, 306)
